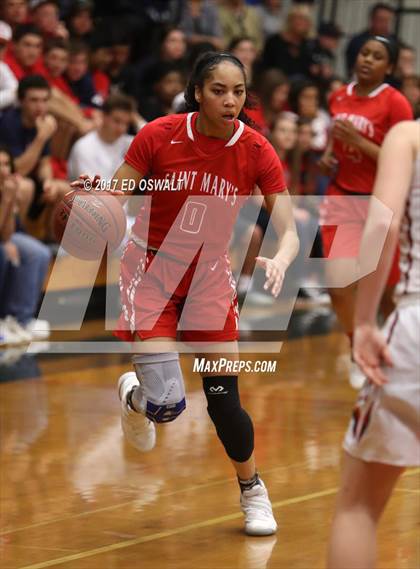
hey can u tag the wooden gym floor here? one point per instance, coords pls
(73, 495)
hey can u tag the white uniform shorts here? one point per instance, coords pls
(385, 426)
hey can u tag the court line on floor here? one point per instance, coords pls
(184, 529)
(169, 533)
(129, 503)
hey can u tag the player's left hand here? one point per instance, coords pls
(371, 352)
(345, 131)
(274, 272)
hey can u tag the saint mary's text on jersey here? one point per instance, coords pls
(194, 182)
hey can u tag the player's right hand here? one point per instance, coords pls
(371, 352)
(327, 163)
(275, 271)
(86, 183)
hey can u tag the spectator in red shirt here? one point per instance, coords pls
(24, 54)
(56, 59)
(63, 103)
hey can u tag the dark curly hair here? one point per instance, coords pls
(204, 65)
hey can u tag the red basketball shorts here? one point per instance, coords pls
(350, 214)
(161, 297)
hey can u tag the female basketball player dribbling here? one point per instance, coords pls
(177, 276)
(363, 112)
(384, 434)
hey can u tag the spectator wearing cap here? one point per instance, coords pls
(200, 22)
(24, 54)
(14, 12)
(381, 23)
(238, 19)
(45, 15)
(80, 20)
(8, 81)
(322, 52)
(288, 50)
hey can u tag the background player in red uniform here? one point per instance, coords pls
(179, 273)
(363, 112)
(383, 437)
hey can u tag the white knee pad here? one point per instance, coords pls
(162, 390)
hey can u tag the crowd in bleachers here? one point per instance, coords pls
(79, 78)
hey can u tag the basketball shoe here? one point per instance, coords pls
(138, 430)
(256, 506)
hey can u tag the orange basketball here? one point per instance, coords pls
(85, 224)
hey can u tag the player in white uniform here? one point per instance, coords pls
(384, 434)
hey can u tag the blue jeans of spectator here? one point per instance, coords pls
(22, 285)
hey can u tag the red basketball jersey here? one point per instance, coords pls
(373, 116)
(198, 183)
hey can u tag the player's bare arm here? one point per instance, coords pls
(288, 246)
(391, 189)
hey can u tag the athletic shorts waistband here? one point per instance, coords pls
(153, 250)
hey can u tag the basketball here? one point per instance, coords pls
(86, 224)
